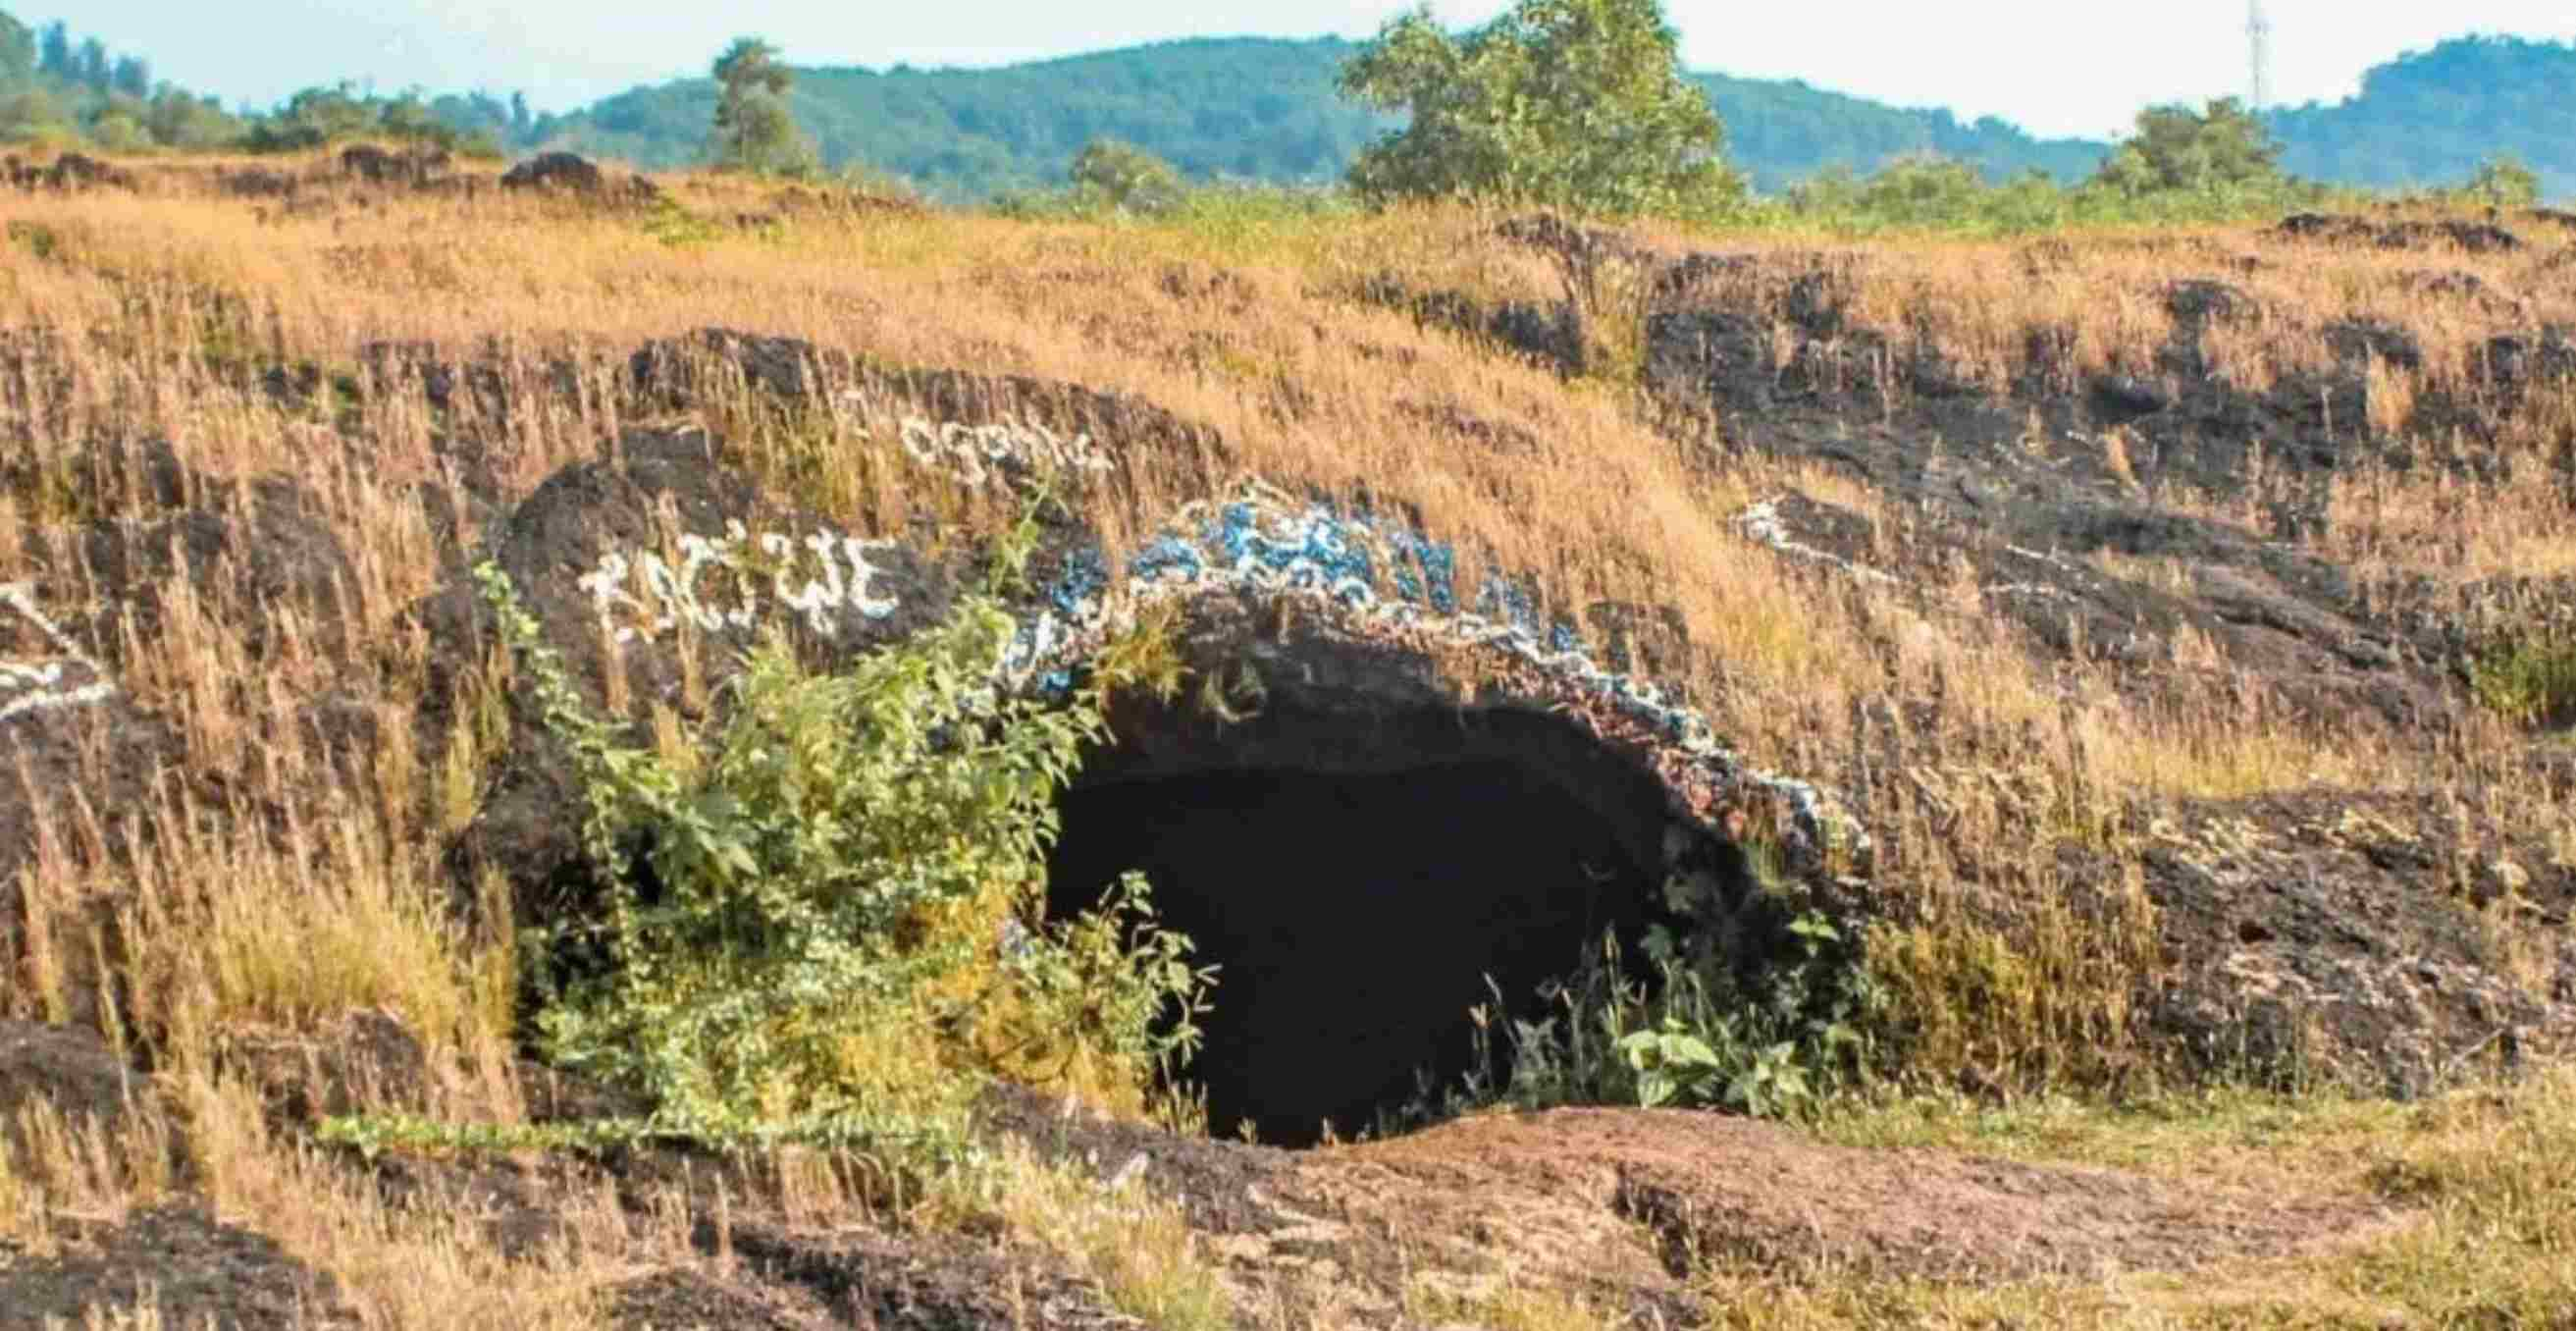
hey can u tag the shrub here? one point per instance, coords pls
(2529, 678)
(1696, 1037)
(2503, 182)
(826, 926)
(1126, 178)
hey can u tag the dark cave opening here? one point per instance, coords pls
(1355, 916)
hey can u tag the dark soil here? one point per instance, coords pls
(194, 1269)
(553, 171)
(68, 172)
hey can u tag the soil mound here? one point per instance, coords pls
(377, 166)
(574, 175)
(556, 171)
(255, 553)
(2407, 234)
(68, 1070)
(193, 1268)
(70, 171)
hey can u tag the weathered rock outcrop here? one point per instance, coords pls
(1478, 777)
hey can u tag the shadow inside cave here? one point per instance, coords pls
(1355, 918)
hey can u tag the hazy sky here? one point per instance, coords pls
(2054, 66)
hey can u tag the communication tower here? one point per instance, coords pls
(2258, 34)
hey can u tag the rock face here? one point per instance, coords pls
(1499, 797)
(638, 568)
(576, 176)
(76, 755)
(1349, 650)
(2039, 481)
(70, 171)
(555, 171)
(194, 571)
(2471, 237)
(376, 166)
(2324, 936)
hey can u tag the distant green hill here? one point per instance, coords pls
(1265, 109)
(1248, 108)
(1779, 132)
(2428, 118)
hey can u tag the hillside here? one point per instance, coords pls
(2428, 117)
(1250, 108)
(582, 752)
(1264, 109)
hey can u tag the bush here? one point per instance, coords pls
(1696, 1037)
(2503, 182)
(2529, 678)
(827, 926)
(1126, 178)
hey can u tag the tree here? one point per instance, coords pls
(17, 51)
(1126, 177)
(2221, 148)
(120, 132)
(92, 66)
(131, 76)
(2503, 182)
(311, 118)
(30, 113)
(1575, 103)
(754, 131)
(1921, 189)
(178, 120)
(56, 51)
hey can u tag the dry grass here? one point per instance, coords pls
(1130, 1243)
(427, 1265)
(314, 892)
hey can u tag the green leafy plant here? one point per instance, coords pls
(827, 926)
(1669, 1061)
(1692, 1038)
(2529, 677)
(674, 225)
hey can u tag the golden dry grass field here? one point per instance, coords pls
(2186, 615)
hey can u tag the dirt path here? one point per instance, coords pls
(1639, 1199)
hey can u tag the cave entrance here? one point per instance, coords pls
(1356, 914)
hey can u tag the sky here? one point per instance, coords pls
(2055, 67)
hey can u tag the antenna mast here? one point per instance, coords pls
(2258, 32)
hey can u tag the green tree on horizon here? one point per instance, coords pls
(754, 130)
(2503, 182)
(1126, 177)
(1579, 104)
(55, 56)
(17, 50)
(2219, 148)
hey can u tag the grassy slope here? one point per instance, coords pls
(1311, 387)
